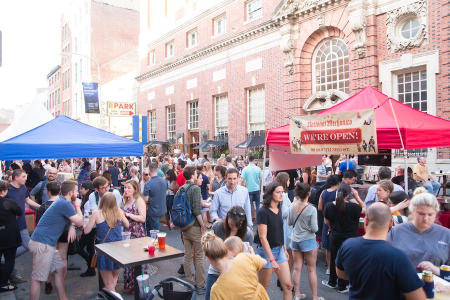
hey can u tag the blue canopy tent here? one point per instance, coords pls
(63, 137)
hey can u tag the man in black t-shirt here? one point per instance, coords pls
(375, 269)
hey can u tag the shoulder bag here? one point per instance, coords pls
(293, 225)
(94, 257)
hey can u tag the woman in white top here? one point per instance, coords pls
(145, 178)
(135, 175)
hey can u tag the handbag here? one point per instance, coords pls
(74, 247)
(94, 257)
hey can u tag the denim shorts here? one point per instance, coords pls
(304, 246)
(277, 252)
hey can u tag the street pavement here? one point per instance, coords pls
(86, 288)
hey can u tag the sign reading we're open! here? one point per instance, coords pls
(351, 132)
(121, 109)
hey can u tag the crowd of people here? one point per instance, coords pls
(245, 240)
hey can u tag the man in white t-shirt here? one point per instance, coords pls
(101, 186)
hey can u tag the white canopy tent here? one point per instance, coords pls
(34, 116)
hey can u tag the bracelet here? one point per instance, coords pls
(272, 260)
(77, 206)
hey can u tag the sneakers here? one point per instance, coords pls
(344, 291)
(89, 272)
(48, 288)
(18, 278)
(325, 283)
(181, 270)
(327, 272)
(201, 291)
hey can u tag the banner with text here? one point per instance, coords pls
(121, 109)
(352, 132)
(90, 91)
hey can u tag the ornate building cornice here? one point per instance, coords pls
(395, 41)
(301, 8)
(243, 37)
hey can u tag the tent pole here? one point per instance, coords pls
(71, 166)
(403, 147)
(263, 164)
(103, 165)
(347, 162)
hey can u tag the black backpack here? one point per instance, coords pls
(97, 196)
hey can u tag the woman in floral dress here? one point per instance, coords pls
(135, 211)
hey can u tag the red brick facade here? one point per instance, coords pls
(309, 26)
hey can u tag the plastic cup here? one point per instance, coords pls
(154, 234)
(144, 286)
(246, 246)
(126, 236)
(162, 240)
(151, 248)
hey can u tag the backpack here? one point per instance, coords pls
(41, 192)
(97, 196)
(182, 216)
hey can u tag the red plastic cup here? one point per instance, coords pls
(151, 249)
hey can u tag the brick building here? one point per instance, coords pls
(235, 67)
(96, 31)
(54, 91)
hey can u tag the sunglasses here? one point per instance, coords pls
(237, 213)
(145, 174)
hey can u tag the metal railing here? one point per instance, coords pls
(412, 152)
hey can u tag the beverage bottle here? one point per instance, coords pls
(428, 284)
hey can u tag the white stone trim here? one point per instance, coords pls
(396, 18)
(220, 75)
(429, 60)
(191, 83)
(218, 59)
(253, 65)
(170, 90)
(151, 95)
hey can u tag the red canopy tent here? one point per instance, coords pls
(418, 129)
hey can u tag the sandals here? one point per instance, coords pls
(302, 296)
(8, 288)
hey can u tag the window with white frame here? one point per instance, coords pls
(220, 25)
(152, 125)
(412, 89)
(256, 110)
(221, 114)
(76, 72)
(193, 115)
(171, 122)
(170, 49)
(331, 66)
(192, 38)
(254, 9)
(151, 59)
(410, 28)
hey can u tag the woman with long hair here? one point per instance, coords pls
(234, 224)
(270, 240)
(306, 175)
(10, 238)
(384, 190)
(109, 219)
(207, 170)
(39, 169)
(171, 179)
(303, 218)
(342, 217)
(328, 195)
(283, 179)
(107, 175)
(219, 179)
(134, 175)
(87, 240)
(237, 278)
(134, 210)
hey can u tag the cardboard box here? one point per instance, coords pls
(30, 223)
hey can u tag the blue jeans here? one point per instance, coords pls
(152, 224)
(291, 195)
(255, 197)
(210, 280)
(432, 188)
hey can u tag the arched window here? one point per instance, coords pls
(331, 66)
